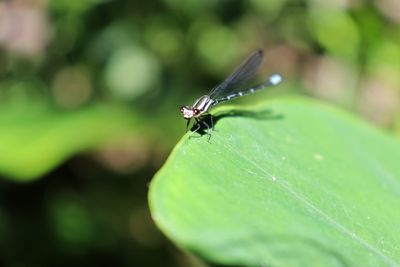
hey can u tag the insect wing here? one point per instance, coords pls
(242, 74)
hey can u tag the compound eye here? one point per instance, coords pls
(182, 109)
(196, 111)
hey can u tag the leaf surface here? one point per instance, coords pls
(291, 182)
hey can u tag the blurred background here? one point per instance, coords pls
(90, 92)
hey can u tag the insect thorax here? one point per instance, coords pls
(203, 103)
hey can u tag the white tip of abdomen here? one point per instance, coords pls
(275, 79)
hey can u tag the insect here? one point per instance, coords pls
(230, 88)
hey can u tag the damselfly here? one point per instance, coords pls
(230, 88)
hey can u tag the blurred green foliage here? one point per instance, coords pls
(89, 98)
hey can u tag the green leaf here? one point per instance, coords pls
(303, 185)
(33, 140)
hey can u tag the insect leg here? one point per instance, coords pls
(212, 122)
(187, 124)
(208, 129)
(197, 128)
